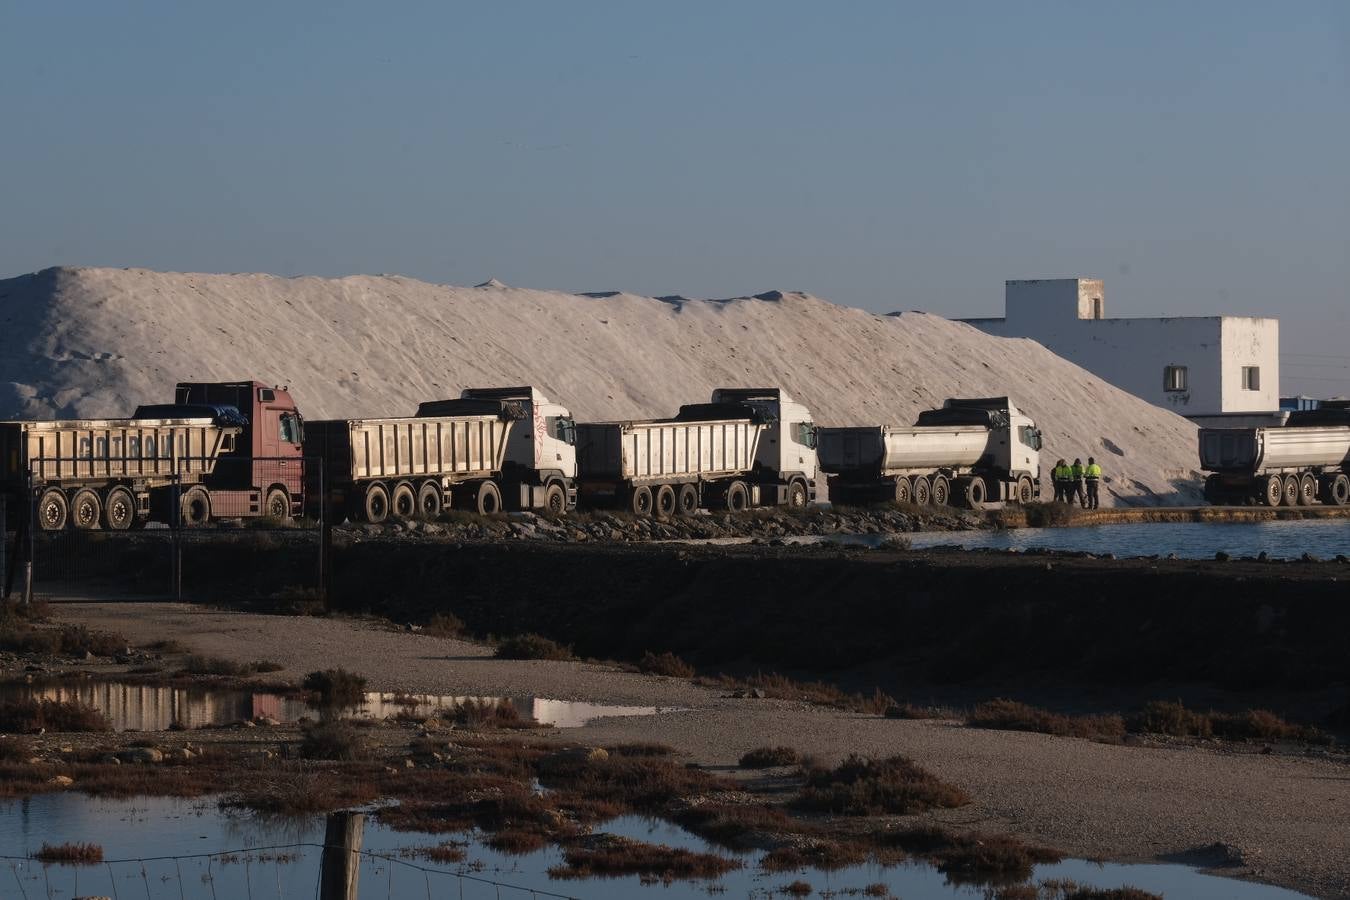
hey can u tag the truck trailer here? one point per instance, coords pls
(971, 452)
(491, 449)
(747, 447)
(1304, 461)
(228, 448)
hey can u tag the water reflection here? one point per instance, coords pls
(143, 707)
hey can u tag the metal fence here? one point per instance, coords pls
(226, 528)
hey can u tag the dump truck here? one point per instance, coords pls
(492, 449)
(971, 452)
(1304, 461)
(226, 449)
(747, 447)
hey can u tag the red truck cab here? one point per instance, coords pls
(264, 474)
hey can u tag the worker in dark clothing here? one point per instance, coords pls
(1092, 473)
(1076, 491)
(1060, 476)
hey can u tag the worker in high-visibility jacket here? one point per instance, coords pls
(1060, 476)
(1092, 473)
(1076, 491)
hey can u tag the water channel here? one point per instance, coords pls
(170, 849)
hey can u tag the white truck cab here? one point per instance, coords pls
(788, 443)
(541, 449)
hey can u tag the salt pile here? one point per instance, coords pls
(96, 342)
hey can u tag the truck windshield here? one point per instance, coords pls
(1030, 435)
(291, 430)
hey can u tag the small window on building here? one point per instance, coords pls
(1174, 378)
(1251, 378)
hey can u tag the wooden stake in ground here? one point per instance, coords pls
(341, 867)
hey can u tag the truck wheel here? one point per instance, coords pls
(686, 500)
(375, 504)
(403, 501)
(52, 510)
(1307, 490)
(1026, 490)
(974, 493)
(1291, 489)
(940, 492)
(738, 496)
(555, 499)
(487, 498)
(797, 495)
(1339, 492)
(902, 490)
(428, 500)
(194, 508)
(640, 500)
(664, 501)
(85, 509)
(922, 491)
(119, 509)
(277, 506)
(1272, 492)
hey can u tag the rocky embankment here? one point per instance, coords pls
(612, 527)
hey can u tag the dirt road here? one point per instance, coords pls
(1287, 814)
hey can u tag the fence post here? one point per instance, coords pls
(325, 535)
(339, 875)
(4, 545)
(176, 536)
(32, 543)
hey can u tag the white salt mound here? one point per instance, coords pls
(97, 342)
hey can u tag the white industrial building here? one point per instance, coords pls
(1199, 366)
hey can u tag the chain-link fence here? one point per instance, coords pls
(226, 528)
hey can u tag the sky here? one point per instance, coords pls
(882, 155)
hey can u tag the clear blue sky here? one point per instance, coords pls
(883, 155)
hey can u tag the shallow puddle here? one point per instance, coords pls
(141, 707)
(168, 849)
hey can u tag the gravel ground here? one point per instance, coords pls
(1289, 815)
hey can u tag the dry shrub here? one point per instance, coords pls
(338, 739)
(913, 711)
(860, 786)
(824, 856)
(70, 854)
(795, 889)
(15, 749)
(444, 853)
(458, 803)
(640, 748)
(1173, 718)
(768, 757)
(665, 664)
(518, 841)
(972, 857)
(780, 687)
(1069, 890)
(301, 793)
(166, 646)
(614, 856)
(227, 668)
(489, 712)
(877, 889)
(34, 716)
(336, 687)
(446, 625)
(1009, 715)
(640, 783)
(532, 646)
(19, 636)
(739, 826)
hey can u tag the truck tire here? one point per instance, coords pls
(686, 500)
(428, 500)
(940, 491)
(1026, 490)
(194, 507)
(1214, 492)
(903, 491)
(403, 501)
(738, 497)
(119, 509)
(53, 512)
(1338, 492)
(85, 509)
(640, 500)
(664, 501)
(1291, 489)
(797, 495)
(487, 498)
(374, 505)
(277, 506)
(1272, 492)
(1307, 490)
(555, 499)
(921, 491)
(973, 493)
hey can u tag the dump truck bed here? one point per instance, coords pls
(95, 450)
(666, 450)
(453, 447)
